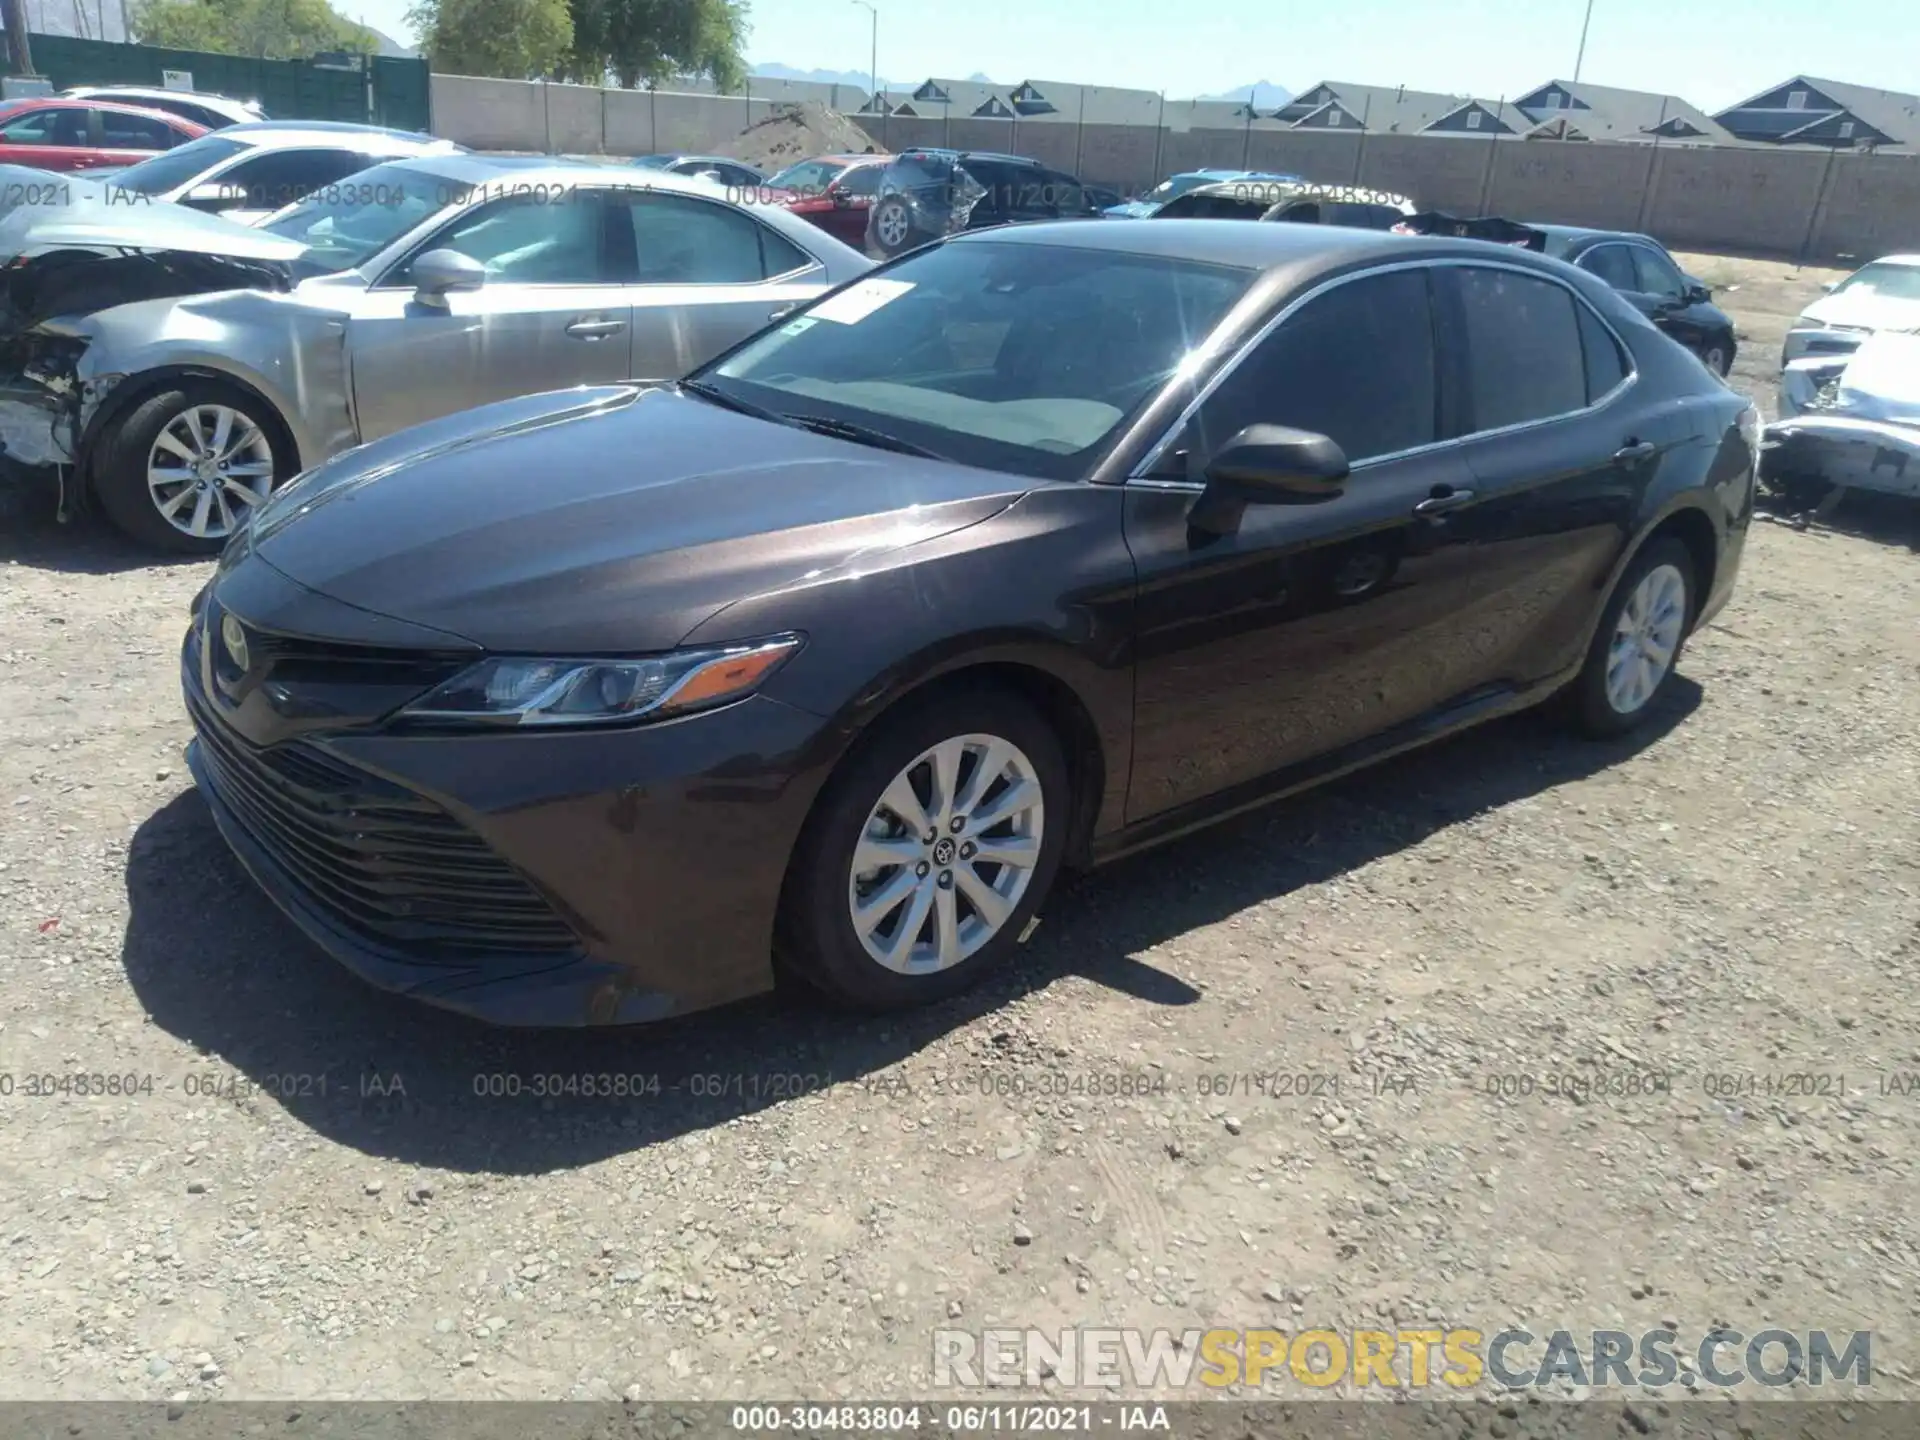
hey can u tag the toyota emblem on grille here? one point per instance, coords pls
(234, 636)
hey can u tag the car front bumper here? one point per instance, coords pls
(659, 853)
(1852, 453)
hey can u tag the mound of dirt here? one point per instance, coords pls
(797, 132)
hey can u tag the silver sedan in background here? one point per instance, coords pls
(230, 359)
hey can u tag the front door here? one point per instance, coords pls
(551, 315)
(1314, 624)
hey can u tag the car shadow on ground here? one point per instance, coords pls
(1892, 520)
(87, 545)
(275, 1021)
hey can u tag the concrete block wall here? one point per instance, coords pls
(1787, 203)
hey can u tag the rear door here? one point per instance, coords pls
(552, 314)
(123, 139)
(1560, 444)
(700, 275)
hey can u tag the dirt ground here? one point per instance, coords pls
(309, 1193)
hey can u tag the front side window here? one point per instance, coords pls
(47, 127)
(1355, 364)
(859, 183)
(678, 240)
(809, 177)
(524, 242)
(1613, 264)
(276, 178)
(1019, 357)
(1658, 275)
(1525, 358)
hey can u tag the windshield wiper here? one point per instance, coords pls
(861, 435)
(717, 396)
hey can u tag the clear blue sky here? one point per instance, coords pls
(1712, 52)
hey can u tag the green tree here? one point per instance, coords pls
(652, 40)
(265, 29)
(511, 39)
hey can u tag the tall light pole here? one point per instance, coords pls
(874, 60)
(1581, 55)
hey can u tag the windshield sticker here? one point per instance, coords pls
(856, 302)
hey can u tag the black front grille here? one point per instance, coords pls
(376, 858)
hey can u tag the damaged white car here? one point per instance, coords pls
(176, 367)
(1884, 295)
(1847, 422)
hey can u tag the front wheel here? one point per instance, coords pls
(929, 853)
(185, 467)
(1717, 356)
(1631, 661)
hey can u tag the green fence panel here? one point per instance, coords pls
(393, 92)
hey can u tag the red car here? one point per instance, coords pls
(831, 191)
(54, 134)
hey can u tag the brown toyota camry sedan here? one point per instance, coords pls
(1033, 547)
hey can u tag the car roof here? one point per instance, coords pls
(464, 167)
(202, 96)
(945, 154)
(1287, 252)
(287, 134)
(1900, 259)
(70, 102)
(1306, 190)
(1586, 232)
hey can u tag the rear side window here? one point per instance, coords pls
(1606, 366)
(678, 240)
(134, 132)
(1356, 364)
(1524, 354)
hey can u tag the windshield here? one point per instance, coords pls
(1011, 356)
(1174, 188)
(1894, 282)
(349, 223)
(174, 168)
(655, 162)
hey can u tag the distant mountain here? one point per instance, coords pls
(861, 78)
(1266, 95)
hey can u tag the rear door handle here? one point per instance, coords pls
(1635, 452)
(1442, 500)
(595, 329)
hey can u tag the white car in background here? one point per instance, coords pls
(216, 112)
(1884, 295)
(247, 172)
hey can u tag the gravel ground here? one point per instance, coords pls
(306, 1197)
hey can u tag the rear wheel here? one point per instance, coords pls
(892, 226)
(930, 851)
(183, 470)
(1638, 642)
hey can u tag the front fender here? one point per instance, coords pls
(292, 354)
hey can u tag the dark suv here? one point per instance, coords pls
(926, 194)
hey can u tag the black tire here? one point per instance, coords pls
(893, 205)
(818, 939)
(1717, 355)
(120, 463)
(1591, 712)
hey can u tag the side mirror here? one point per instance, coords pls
(1268, 465)
(1696, 293)
(438, 273)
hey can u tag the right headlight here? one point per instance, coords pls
(509, 691)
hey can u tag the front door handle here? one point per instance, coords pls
(1635, 452)
(595, 329)
(1443, 499)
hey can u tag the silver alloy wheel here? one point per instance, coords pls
(946, 854)
(892, 225)
(1645, 638)
(208, 467)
